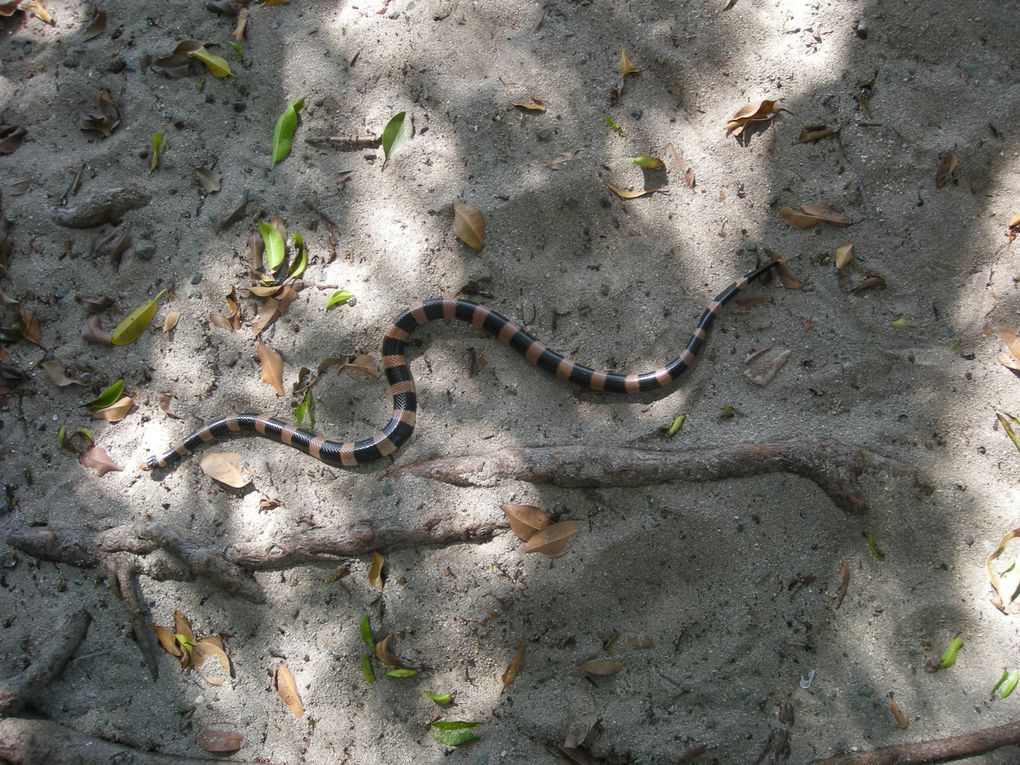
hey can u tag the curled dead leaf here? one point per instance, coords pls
(208, 179)
(946, 169)
(103, 120)
(55, 372)
(552, 541)
(525, 520)
(30, 329)
(532, 104)
(97, 459)
(224, 467)
(286, 687)
(515, 666)
(626, 65)
(759, 111)
(383, 653)
(869, 282)
(116, 411)
(361, 367)
(624, 194)
(273, 308)
(272, 367)
(171, 321)
(166, 639)
(764, 376)
(602, 667)
(1013, 227)
(898, 716)
(375, 570)
(211, 648)
(788, 279)
(469, 225)
(844, 255)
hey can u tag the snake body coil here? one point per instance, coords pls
(405, 399)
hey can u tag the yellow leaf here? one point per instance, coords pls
(601, 667)
(624, 194)
(525, 520)
(272, 367)
(171, 321)
(182, 626)
(626, 65)
(532, 104)
(36, 9)
(469, 225)
(844, 255)
(132, 327)
(287, 688)
(217, 66)
(116, 411)
(224, 467)
(515, 666)
(375, 570)
(553, 540)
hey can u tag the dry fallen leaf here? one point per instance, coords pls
(224, 467)
(868, 283)
(844, 255)
(37, 9)
(766, 375)
(383, 653)
(272, 367)
(272, 309)
(166, 639)
(759, 111)
(810, 216)
(219, 741)
(580, 731)
(525, 520)
(116, 411)
(97, 24)
(624, 194)
(602, 667)
(626, 65)
(11, 137)
(1006, 593)
(287, 688)
(104, 120)
(242, 25)
(29, 325)
(171, 321)
(182, 626)
(469, 225)
(208, 179)
(844, 583)
(375, 570)
(515, 666)
(946, 169)
(361, 367)
(99, 460)
(553, 540)
(211, 647)
(1012, 341)
(788, 279)
(1013, 227)
(532, 104)
(898, 716)
(55, 372)
(113, 246)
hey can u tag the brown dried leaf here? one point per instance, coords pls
(754, 112)
(765, 376)
(868, 283)
(525, 520)
(171, 321)
(20, 186)
(894, 709)
(104, 120)
(115, 412)
(287, 688)
(469, 225)
(37, 9)
(211, 647)
(375, 569)
(626, 65)
(515, 666)
(11, 137)
(624, 194)
(788, 279)
(553, 540)
(797, 219)
(1013, 227)
(97, 25)
(94, 305)
(272, 367)
(99, 460)
(362, 367)
(29, 325)
(844, 255)
(218, 741)
(532, 104)
(55, 372)
(273, 308)
(183, 627)
(166, 639)
(93, 332)
(827, 213)
(602, 667)
(177, 64)
(579, 733)
(113, 245)
(1012, 341)
(208, 179)
(946, 169)
(383, 653)
(224, 467)
(242, 25)
(263, 291)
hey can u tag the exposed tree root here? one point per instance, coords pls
(937, 750)
(17, 691)
(833, 466)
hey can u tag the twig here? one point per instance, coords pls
(29, 742)
(936, 750)
(833, 466)
(17, 691)
(122, 570)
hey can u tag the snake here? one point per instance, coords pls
(405, 397)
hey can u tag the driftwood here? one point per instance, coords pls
(833, 466)
(937, 750)
(17, 691)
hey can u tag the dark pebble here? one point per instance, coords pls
(210, 98)
(604, 290)
(196, 278)
(544, 134)
(61, 292)
(637, 113)
(240, 106)
(144, 250)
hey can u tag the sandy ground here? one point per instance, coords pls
(713, 575)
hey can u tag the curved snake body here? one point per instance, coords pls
(405, 399)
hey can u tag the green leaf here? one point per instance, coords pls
(158, 142)
(399, 674)
(218, 67)
(283, 135)
(1006, 683)
(305, 409)
(1004, 420)
(132, 327)
(442, 699)
(615, 127)
(186, 643)
(394, 135)
(301, 261)
(108, 397)
(340, 297)
(902, 323)
(453, 733)
(674, 427)
(873, 546)
(948, 657)
(275, 249)
(237, 48)
(647, 162)
(62, 442)
(365, 629)
(366, 669)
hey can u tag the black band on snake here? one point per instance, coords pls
(405, 399)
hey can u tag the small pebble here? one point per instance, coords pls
(61, 292)
(196, 278)
(210, 98)
(144, 249)
(604, 290)
(240, 106)
(637, 113)
(544, 134)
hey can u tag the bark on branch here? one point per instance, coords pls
(937, 750)
(833, 466)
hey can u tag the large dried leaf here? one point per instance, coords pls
(177, 64)
(844, 255)
(759, 111)
(553, 540)
(384, 654)
(362, 367)
(93, 332)
(1007, 593)
(516, 664)
(97, 24)
(209, 179)
(183, 627)
(827, 213)
(117, 411)
(55, 371)
(287, 688)
(525, 520)
(103, 120)
(1012, 341)
(272, 367)
(580, 731)
(602, 667)
(99, 460)
(469, 225)
(626, 65)
(211, 648)
(135, 323)
(273, 308)
(624, 194)
(946, 169)
(170, 321)
(532, 104)
(224, 467)
(375, 570)
(166, 639)
(30, 329)
(219, 741)
(11, 137)
(38, 10)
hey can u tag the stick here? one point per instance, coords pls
(833, 466)
(937, 750)
(17, 691)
